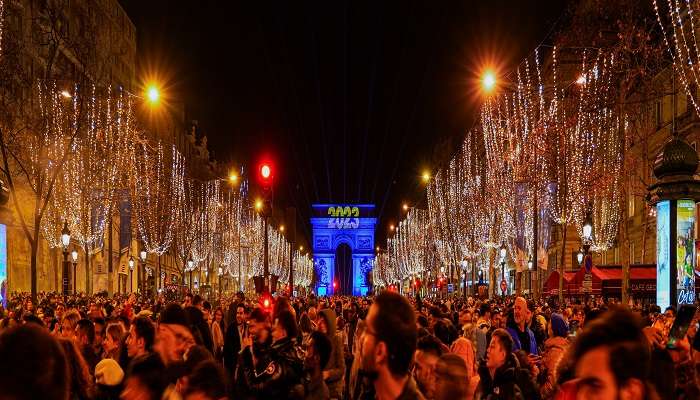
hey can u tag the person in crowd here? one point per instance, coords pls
(141, 337)
(145, 379)
(85, 338)
(216, 326)
(523, 337)
(610, 359)
(199, 327)
(318, 351)
(429, 349)
(68, 323)
(387, 347)
(80, 382)
(463, 348)
(334, 373)
(111, 345)
(451, 379)
(236, 332)
(497, 371)
(206, 382)
(108, 379)
(100, 325)
(253, 357)
(173, 337)
(33, 365)
(554, 349)
(305, 327)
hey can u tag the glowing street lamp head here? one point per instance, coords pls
(392, 227)
(488, 81)
(405, 207)
(233, 177)
(153, 94)
(426, 177)
(258, 204)
(281, 228)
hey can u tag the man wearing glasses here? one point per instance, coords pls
(387, 347)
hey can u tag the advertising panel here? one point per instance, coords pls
(663, 256)
(685, 251)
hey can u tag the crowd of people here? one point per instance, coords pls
(384, 347)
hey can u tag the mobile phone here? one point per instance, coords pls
(680, 325)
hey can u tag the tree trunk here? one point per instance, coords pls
(87, 270)
(32, 268)
(561, 264)
(111, 256)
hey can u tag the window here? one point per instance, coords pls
(658, 115)
(617, 255)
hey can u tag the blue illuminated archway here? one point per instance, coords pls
(333, 225)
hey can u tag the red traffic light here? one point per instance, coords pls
(265, 171)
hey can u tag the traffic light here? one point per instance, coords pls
(266, 174)
(266, 302)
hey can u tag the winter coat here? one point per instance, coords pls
(516, 340)
(509, 382)
(279, 375)
(336, 364)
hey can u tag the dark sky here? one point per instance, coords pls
(352, 99)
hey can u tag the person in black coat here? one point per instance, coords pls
(501, 374)
(235, 333)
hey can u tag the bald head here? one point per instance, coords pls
(520, 312)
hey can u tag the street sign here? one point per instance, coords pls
(450, 288)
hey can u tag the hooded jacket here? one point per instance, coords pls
(336, 364)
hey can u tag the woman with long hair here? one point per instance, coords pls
(217, 329)
(80, 381)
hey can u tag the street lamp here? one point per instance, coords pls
(221, 273)
(405, 207)
(281, 228)
(65, 241)
(504, 253)
(579, 257)
(142, 255)
(131, 273)
(426, 177)
(74, 256)
(587, 231)
(153, 94)
(488, 81)
(233, 177)
(190, 267)
(529, 275)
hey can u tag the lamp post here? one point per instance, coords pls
(190, 267)
(221, 274)
(142, 255)
(504, 253)
(131, 273)
(586, 239)
(529, 276)
(65, 241)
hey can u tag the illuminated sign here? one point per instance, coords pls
(663, 256)
(685, 251)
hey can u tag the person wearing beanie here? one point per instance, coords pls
(108, 376)
(554, 349)
(334, 372)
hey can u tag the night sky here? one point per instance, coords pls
(352, 99)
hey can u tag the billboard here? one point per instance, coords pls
(663, 256)
(685, 251)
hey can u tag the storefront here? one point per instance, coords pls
(606, 281)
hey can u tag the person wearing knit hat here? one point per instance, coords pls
(108, 376)
(554, 349)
